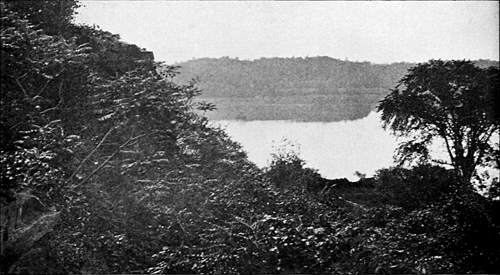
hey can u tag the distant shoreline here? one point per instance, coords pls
(321, 89)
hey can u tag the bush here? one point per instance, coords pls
(414, 188)
(287, 171)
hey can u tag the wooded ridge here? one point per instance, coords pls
(303, 89)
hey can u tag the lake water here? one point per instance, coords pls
(335, 149)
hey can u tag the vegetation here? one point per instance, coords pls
(302, 89)
(453, 100)
(106, 167)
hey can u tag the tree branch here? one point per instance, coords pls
(442, 162)
(59, 104)
(21, 87)
(452, 158)
(485, 140)
(92, 152)
(109, 158)
(47, 84)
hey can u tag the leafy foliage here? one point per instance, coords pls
(112, 151)
(414, 188)
(53, 16)
(41, 84)
(287, 170)
(452, 100)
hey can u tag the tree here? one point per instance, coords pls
(53, 16)
(452, 100)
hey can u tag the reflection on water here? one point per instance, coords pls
(336, 149)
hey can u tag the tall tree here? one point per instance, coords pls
(453, 100)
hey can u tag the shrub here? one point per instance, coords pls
(414, 188)
(287, 171)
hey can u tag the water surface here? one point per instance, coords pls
(336, 149)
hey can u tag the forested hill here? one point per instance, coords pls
(303, 89)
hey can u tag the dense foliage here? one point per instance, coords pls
(106, 167)
(452, 100)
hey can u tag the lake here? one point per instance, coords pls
(335, 149)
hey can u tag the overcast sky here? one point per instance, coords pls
(378, 31)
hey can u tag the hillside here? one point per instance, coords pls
(106, 169)
(303, 89)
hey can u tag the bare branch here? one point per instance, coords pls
(59, 104)
(92, 152)
(47, 83)
(21, 87)
(109, 158)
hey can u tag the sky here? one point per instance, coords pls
(375, 31)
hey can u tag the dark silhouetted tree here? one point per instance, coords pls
(453, 100)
